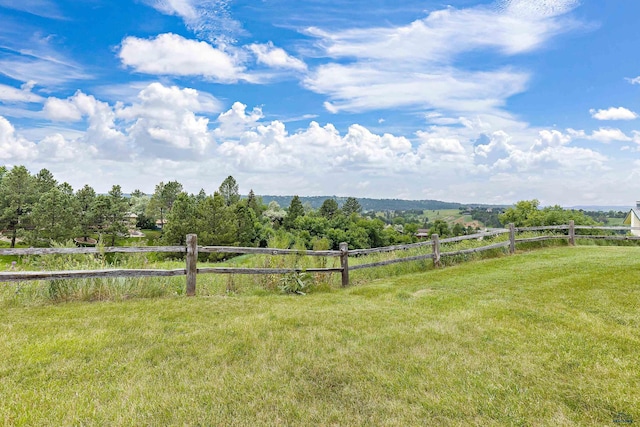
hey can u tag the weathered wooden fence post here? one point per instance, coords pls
(344, 262)
(512, 238)
(192, 263)
(572, 233)
(436, 250)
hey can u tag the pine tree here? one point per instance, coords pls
(55, 216)
(86, 198)
(351, 206)
(245, 222)
(295, 210)
(117, 208)
(44, 181)
(17, 195)
(229, 191)
(216, 222)
(181, 221)
(162, 200)
(329, 208)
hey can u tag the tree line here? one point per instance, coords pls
(41, 211)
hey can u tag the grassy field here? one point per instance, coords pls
(548, 337)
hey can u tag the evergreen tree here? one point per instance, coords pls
(44, 181)
(329, 208)
(17, 195)
(181, 221)
(66, 188)
(351, 206)
(117, 207)
(255, 204)
(162, 200)
(54, 217)
(245, 223)
(295, 210)
(229, 191)
(216, 222)
(86, 197)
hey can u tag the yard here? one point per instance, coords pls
(548, 337)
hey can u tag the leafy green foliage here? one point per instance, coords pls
(296, 283)
(526, 213)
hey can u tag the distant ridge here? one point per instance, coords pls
(374, 204)
(602, 208)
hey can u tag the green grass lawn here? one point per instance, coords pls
(543, 338)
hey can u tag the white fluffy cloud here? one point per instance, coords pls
(276, 57)
(161, 122)
(165, 124)
(172, 132)
(171, 54)
(613, 113)
(13, 147)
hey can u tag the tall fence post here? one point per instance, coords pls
(436, 250)
(192, 263)
(512, 238)
(344, 263)
(572, 233)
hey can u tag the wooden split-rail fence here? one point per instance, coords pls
(191, 249)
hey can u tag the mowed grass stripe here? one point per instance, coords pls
(548, 337)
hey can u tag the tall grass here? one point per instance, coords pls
(117, 289)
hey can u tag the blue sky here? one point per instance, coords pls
(467, 101)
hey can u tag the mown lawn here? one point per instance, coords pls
(544, 338)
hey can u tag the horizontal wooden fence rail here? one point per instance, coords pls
(192, 250)
(82, 251)
(265, 251)
(13, 276)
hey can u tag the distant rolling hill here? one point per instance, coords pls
(373, 204)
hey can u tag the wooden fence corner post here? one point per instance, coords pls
(344, 263)
(436, 250)
(512, 238)
(572, 233)
(192, 263)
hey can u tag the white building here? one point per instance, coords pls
(633, 219)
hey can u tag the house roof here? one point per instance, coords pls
(633, 211)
